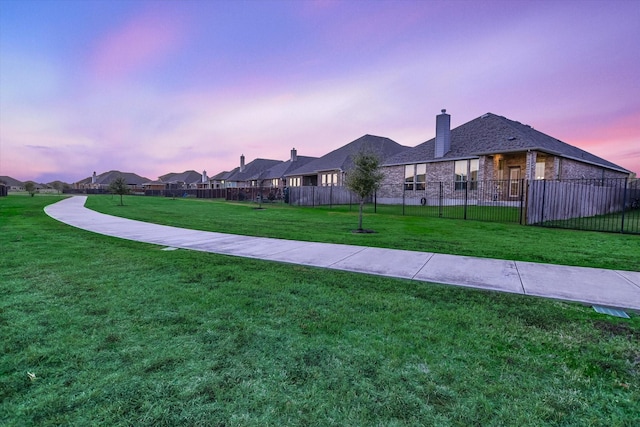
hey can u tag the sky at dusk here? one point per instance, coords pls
(153, 87)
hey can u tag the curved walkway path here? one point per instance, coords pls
(612, 288)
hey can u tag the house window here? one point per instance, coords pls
(409, 177)
(514, 182)
(327, 179)
(415, 177)
(474, 167)
(275, 182)
(294, 182)
(540, 164)
(466, 174)
(461, 170)
(421, 176)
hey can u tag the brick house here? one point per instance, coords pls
(264, 173)
(275, 177)
(244, 176)
(101, 182)
(330, 169)
(488, 148)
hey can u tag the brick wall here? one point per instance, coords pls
(572, 169)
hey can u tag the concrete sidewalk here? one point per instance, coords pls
(612, 288)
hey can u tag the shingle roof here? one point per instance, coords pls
(11, 182)
(252, 170)
(107, 178)
(281, 169)
(340, 159)
(222, 175)
(493, 134)
(188, 177)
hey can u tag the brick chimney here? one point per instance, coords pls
(242, 163)
(443, 134)
(294, 155)
(94, 178)
(204, 177)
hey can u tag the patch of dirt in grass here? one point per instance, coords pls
(616, 329)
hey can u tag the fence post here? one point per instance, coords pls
(375, 202)
(440, 198)
(403, 200)
(544, 196)
(466, 198)
(522, 198)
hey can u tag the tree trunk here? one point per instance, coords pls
(360, 215)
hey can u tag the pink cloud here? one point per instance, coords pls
(144, 40)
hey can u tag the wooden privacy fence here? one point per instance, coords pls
(319, 196)
(560, 200)
(587, 204)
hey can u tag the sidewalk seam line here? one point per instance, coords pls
(628, 280)
(423, 266)
(524, 291)
(348, 256)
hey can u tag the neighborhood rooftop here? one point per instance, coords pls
(491, 134)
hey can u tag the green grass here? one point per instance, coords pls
(121, 333)
(458, 237)
(628, 220)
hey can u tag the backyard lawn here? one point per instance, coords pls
(100, 331)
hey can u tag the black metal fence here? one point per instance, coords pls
(496, 201)
(611, 205)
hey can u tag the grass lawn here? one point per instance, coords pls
(101, 331)
(629, 220)
(458, 237)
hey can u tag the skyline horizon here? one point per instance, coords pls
(248, 160)
(152, 86)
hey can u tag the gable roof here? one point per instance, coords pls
(107, 178)
(11, 182)
(252, 170)
(493, 134)
(281, 169)
(222, 175)
(188, 177)
(340, 159)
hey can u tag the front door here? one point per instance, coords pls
(514, 182)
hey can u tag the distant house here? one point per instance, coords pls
(330, 169)
(275, 177)
(490, 147)
(103, 180)
(219, 180)
(187, 179)
(12, 184)
(248, 175)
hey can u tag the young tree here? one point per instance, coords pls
(30, 187)
(58, 186)
(364, 178)
(119, 186)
